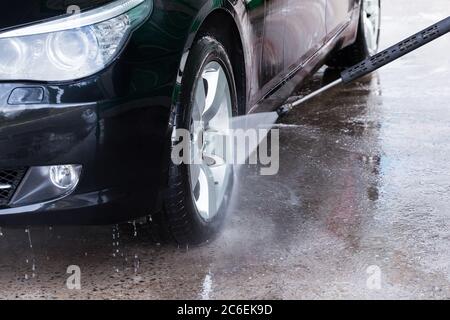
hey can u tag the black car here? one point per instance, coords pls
(91, 93)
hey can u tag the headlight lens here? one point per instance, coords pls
(70, 48)
(12, 55)
(67, 50)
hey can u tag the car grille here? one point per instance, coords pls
(9, 181)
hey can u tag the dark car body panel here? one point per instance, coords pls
(22, 12)
(338, 14)
(117, 123)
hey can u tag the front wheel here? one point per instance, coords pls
(367, 39)
(199, 191)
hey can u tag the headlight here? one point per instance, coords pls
(72, 47)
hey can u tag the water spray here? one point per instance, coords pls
(377, 61)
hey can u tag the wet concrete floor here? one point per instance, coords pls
(363, 194)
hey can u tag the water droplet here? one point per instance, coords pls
(30, 243)
(136, 263)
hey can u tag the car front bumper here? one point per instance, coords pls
(119, 142)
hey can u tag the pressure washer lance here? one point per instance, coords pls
(377, 61)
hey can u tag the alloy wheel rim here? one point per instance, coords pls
(371, 24)
(209, 170)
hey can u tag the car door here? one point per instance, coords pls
(339, 13)
(253, 34)
(293, 31)
(273, 43)
(305, 30)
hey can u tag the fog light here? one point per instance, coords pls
(64, 177)
(47, 183)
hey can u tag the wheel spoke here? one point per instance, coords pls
(211, 187)
(370, 19)
(218, 146)
(199, 101)
(217, 87)
(368, 25)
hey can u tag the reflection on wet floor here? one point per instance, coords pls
(363, 185)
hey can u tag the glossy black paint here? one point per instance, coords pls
(22, 12)
(117, 123)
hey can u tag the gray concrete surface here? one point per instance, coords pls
(364, 181)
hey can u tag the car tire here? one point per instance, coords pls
(186, 219)
(366, 43)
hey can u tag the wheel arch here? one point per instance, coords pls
(223, 26)
(220, 20)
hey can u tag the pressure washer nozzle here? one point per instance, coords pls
(284, 109)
